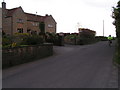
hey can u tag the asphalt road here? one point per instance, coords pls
(71, 66)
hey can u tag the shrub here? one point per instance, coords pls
(32, 40)
(54, 38)
(19, 37)
(101, 38)
(86, 38)
(70, 36)
(116, 16)
(6, 40)
(71, 39)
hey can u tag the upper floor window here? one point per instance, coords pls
(20, 20)
(34, 23)
(50, 26)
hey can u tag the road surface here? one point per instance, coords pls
(71, 66)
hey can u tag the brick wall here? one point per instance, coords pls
(19, 55)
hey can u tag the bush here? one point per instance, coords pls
(101, 38)
(70, 36)
(6, 41)
(27, 39)
(32, 40)
(19, 39)
(86, 38)
(71, 39)
(54, 38)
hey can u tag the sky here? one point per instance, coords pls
(72, 14)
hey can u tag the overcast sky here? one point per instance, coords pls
(71, 14)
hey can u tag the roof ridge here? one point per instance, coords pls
(14, 8)
(34, 17)
(11, 11)
(34, 14)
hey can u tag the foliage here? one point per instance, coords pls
(27, 39)
(14, 44)
(32, 40)
(6, 41)
(72, 36)
(116, 16)
(87, 35)
(20, 39)
(86, 38)
(81, 39)
(56, 39)
(101, 38)
(71, 39)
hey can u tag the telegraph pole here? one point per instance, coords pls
(103, 28)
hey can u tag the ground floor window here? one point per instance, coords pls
(20, 30)
(28, 30)
(34, 32)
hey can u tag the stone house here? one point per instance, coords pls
(17, 21)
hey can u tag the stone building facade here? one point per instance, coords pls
(17, 21)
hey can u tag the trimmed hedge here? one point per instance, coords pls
(101, 38)
(56, 39)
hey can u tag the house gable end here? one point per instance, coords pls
(50, 17)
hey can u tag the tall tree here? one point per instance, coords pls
(116, 16)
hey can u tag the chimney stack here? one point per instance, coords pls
(3, 5)
(46, 14)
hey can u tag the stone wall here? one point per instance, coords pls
(19, 55)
